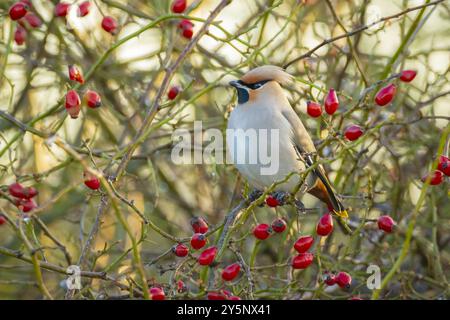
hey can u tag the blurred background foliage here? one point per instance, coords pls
(379, 174)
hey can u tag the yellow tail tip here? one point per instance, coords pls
(343, 214)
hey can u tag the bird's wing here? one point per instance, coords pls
(306, 150)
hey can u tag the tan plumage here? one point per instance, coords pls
(267, 107)
(267, 72)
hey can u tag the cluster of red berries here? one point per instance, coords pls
(331, 105)
(437, 176)
(26, 19)
(109, 24)
(23, 196)
(342, 279)
(304, 258)
(73, 102)
(207, 256)
(383, 97)
(386, 94)
(157, 292)
(186, 26)
(62, 9)
(198, 241)
(262, 231)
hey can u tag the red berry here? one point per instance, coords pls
(187, 28)
(75, 74)
(199, 225)
(331, 102)
(278, 225)
(61, 9)
(234, 298)
(353, 132)
(303, 244)
(18, 191)
(26, 205)
(30, 192)
(109, 24)
(444, 165)
(343, 280)
(385, 95)
(91, 181)
(216, 296)
(226, 293)
(73, 103)
(408, 75)
(92, 184)
(185, 24)
(188, 33)
(20, 35)
(33, 20)
(329, 279)
(262, 231)
(180, 250)
(18, 10)
(157, 293)
(386, 223)
(181, 286)
(231, 272)
(198, 241)
(325, 225)
(303, 260)
(173, 92)
(314, 109)
(2, 220)
(207, 256)
(92, 99)
(84, 8)
(436, 177)
(178, 6)
(272, 202)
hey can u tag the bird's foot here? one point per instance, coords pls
(282, 197)
(299, 206)
(254, 195)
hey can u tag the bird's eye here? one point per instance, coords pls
(257, 85)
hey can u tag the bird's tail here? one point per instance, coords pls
(323, 189)
(324, 192)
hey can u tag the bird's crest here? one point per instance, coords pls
(267, 72)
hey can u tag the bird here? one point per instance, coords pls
(263, 104)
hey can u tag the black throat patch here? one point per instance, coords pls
(243, 95)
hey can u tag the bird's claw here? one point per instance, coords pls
(254, 195)
(299, 206)
(281, 196)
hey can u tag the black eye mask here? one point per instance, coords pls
(242, 92)
(255, 85)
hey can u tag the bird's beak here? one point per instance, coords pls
(234, 83)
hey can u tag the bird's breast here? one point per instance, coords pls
(259, 141)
